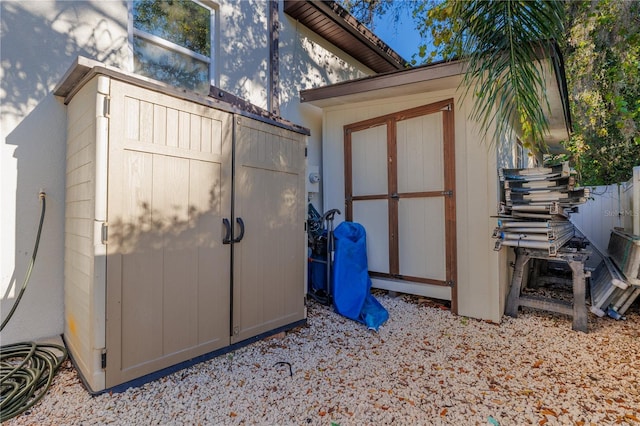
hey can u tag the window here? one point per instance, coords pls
(172, 42)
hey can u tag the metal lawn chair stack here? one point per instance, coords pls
(535, 207)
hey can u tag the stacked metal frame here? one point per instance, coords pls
(535, 207)
(616, 289)
(624, 249)
(608, 288)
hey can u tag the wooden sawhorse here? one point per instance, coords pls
(577, 310)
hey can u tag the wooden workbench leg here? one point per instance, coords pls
(513, 300)
(579, 295)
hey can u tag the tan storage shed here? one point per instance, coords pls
(185, 226)
(403, 158)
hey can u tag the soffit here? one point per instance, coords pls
(333, 23)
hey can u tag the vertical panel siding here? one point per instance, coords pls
(369, 161)
(421, 220)
(168, 290)
(269, 261)
(374, 216)
(420, 154)
(79, 213)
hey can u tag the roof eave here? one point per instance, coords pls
(346, 32)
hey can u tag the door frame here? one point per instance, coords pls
(449, 191)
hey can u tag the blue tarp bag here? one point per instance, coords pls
(352, 296)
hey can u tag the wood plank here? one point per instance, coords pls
(451, 229)
(392, 173)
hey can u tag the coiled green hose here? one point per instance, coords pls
(27, 369)
(26, 372)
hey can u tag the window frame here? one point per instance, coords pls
(173, 47)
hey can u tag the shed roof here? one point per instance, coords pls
(440, 76)
(336, 25)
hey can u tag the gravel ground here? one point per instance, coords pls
(424, 367)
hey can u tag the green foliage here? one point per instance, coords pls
(436, 24)
(600, 41)
(602, 54)
(367, 10)
(502, 42)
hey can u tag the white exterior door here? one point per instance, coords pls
(400, 185)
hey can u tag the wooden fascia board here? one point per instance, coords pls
(384, 81)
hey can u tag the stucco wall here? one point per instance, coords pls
(39, 41)
(307, 61)
(482, 272)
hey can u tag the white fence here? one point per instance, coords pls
(613, 206)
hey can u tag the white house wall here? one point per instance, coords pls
(307, 61)
(482, 272)
(40, 40)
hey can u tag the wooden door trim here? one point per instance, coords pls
(450, 230)
(426, 194)
(422, 280)
(392, 190)
(348, 173)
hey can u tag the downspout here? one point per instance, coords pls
(274, 57)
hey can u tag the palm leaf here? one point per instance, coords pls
(504, 42)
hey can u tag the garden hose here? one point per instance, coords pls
(27, 369)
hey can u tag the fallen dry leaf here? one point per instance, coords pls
(632, 417)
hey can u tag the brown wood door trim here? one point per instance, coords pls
(399, 116)
(392, 190)
(422, 280)
(450, 204)
(348, 178)
(426, 194)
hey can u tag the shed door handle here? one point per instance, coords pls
(239, 237)
(227, 227)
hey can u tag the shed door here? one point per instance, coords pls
(268, 263)
(399, 184)
(167, 270)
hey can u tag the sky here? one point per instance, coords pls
(403, 37)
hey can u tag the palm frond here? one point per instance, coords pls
(504, 42)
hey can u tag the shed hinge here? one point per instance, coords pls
(446, 108)
(106, 106)
(306, 152)
(451, 283)
(103, 359)
(448, 193)
(236, 331)
(104, 233)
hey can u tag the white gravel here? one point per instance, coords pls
(425, 366)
